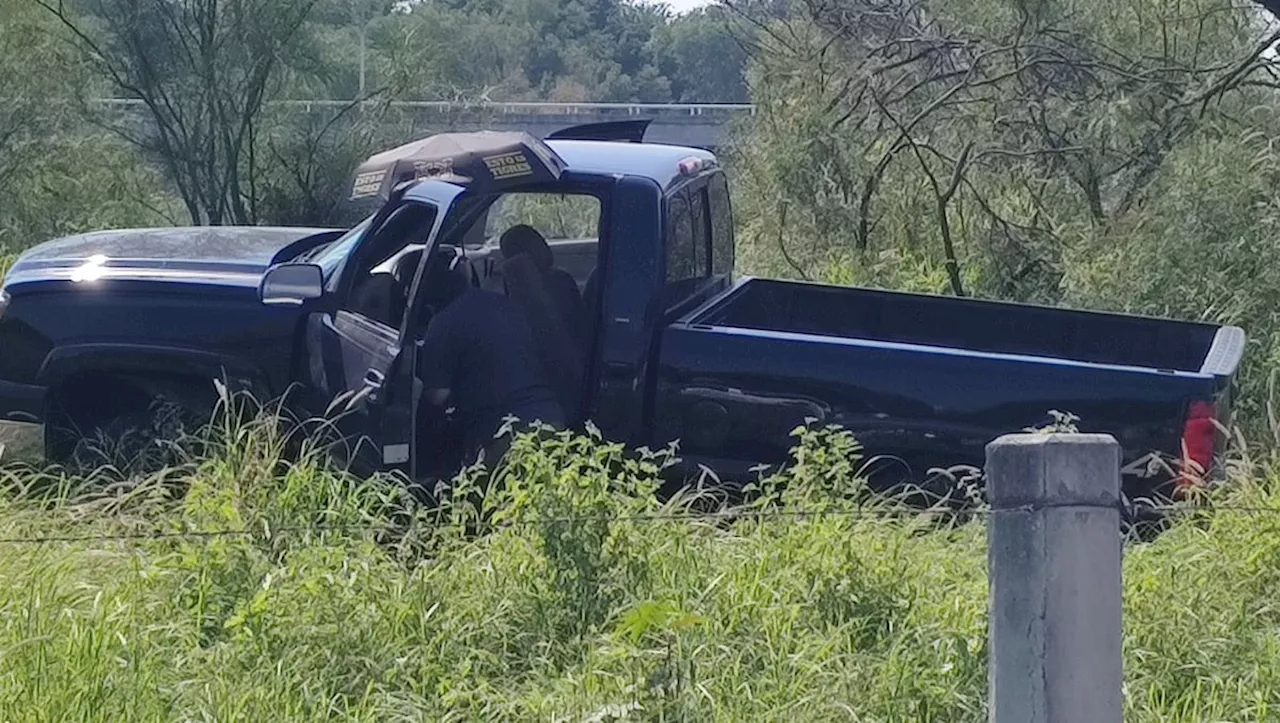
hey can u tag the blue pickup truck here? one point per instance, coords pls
(672, 345)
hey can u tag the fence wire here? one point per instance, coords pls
(732, 515)
(418, 524)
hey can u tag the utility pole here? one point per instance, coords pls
(362, 65)
(358, 15)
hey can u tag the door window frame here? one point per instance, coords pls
(438, 194)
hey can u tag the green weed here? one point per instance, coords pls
(565, 592)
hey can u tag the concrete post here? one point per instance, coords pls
(1054, 554)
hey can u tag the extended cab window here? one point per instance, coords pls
(688, 255)
(701, 233)
(722, 241)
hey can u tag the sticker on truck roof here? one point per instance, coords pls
(508, 165)
(432, 169)
(367, 184)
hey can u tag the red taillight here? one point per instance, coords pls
(1199, 440)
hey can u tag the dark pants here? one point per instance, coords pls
(451, 452)
(483, 438)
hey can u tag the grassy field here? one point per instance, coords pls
(578, 599)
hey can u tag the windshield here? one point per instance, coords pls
(330, 256)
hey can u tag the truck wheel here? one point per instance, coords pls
(122, 442)
(133, 434)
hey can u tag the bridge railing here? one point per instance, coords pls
(506, 107)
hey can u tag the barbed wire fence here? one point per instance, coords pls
(147, 530)
(1169, 512)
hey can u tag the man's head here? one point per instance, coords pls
(524, 239)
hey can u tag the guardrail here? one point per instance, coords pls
(506, 108)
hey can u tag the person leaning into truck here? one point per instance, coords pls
(479, 356)
(562, 290)
(557, 350)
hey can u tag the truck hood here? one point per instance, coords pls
(180, 253)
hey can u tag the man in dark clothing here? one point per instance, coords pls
(524, 239)
(479, 356)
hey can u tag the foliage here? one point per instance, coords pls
(569, 593)
(34, 78)
(582, 595)
(81, 183)
(1199, 249)
(703, 56)
(305, 160)
(205, 77)
(1061, 423)
(56, 175)
(586, 50)
(203, 71)
(975, 142)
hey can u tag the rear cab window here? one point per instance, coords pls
(571, 223)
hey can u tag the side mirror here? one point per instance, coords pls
(291, 284)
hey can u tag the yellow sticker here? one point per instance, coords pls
(509, 165)
(367, 184)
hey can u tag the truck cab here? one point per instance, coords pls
(606, 215)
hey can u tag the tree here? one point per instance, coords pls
(56, 178)
(703, 58)
(34, 78)
(987, 130)
(584, 50)
(1113, 155)
(340, 59)
(203, 70)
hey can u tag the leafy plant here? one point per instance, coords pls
(1062, 423)
(567, 593)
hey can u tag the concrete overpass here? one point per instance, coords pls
(703, 125)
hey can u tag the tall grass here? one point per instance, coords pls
(570, 593)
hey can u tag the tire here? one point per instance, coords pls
(129, 443)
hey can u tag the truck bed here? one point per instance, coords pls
(928, 380)
(976, 325)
